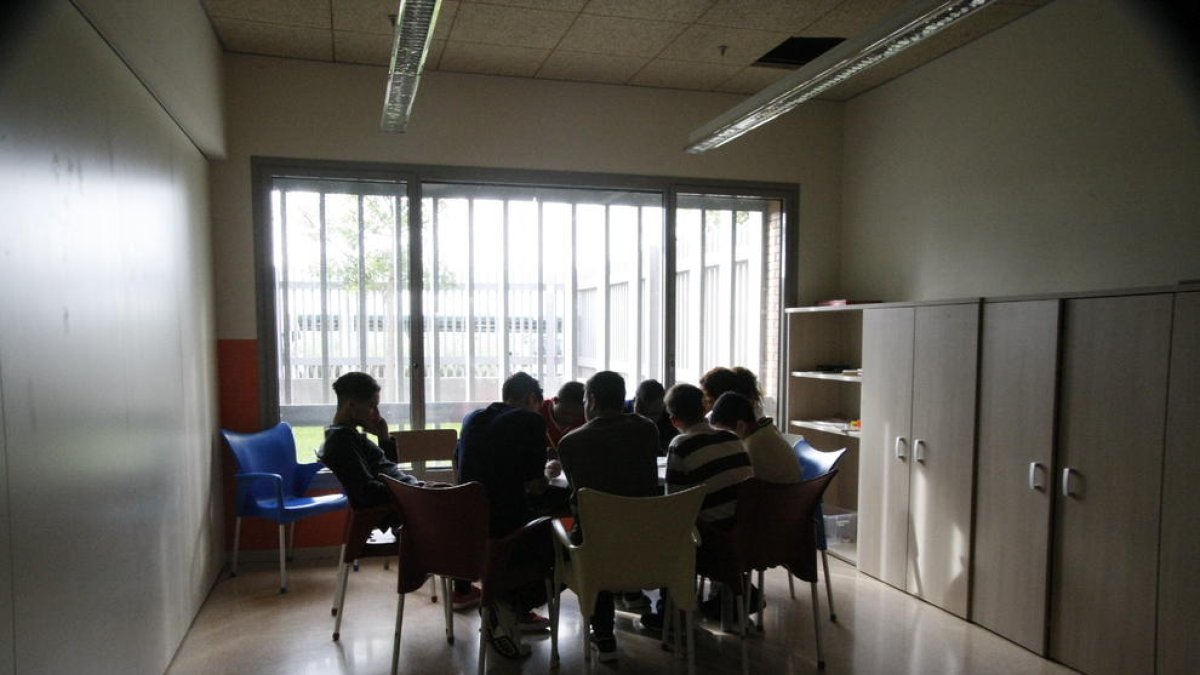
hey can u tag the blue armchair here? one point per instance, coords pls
(271, 485)
(815, 463)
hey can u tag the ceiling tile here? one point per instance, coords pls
(619, 36)
(683, 75)
(364, 16)
(445, 20)
(790, 16)
(560, 5)
(434, 58)
(466, 57)
(578, 66)
(314, 13)
(352, 47)
(703, 43)
(685, 11)
(851, 18)
(514, 26)
(251, 37)
(753, 80)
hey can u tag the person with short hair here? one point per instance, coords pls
(714, 382)
(648, 402)
(770, 453)
(563, 413)
(614, 453)
(503, 446)
(350, 455)
(701, 454)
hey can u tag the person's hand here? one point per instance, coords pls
(437, 484)
(377, 426)
(553, 469)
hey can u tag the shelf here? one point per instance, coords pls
(836, 377)
(826, 427)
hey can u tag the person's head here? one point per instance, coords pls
(357, 398)
(715, 382)
(685, 405)
(522, 391)
(746, 384)
(648, 400)
(568, 404)
(605, 393)
(734, 412)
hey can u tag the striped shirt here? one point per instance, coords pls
(716, 459)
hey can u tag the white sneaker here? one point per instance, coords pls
(504, 632)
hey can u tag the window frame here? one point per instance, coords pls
(264, 171)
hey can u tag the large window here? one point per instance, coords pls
(560, 282)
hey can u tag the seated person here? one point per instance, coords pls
(614, 453)
(701, 455)
(350, 455)
(503, 446)
(719, 380)
(770, 453)
(648, 402)
(563, 413)
(356, 461)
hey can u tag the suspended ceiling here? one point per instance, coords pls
(704, 45)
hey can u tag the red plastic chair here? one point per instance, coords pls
(773, 526)
(358, 544)
(445, 532)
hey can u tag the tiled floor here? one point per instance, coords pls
(247, 627)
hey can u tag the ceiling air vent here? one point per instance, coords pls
(797, 51)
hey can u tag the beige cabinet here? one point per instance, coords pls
(1018, 371)
(1178, 586)
(917, 449)
(1113, 395)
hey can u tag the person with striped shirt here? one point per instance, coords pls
(701, 454)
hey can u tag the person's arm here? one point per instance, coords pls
(531, 441)
(357, 480)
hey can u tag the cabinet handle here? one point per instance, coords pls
(1067, 489)
(1036, 471)
(918, 454)
(899, 447)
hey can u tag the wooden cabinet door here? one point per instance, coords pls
(942, 458)
(1111, 435)
(884, 443)
(1018, 371)
(1178, 589)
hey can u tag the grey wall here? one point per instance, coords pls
(1059, 153)
(109, 497)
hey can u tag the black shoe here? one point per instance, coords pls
(605, 648)
(652, 622)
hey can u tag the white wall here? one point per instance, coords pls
(291, 108)
(1059, 153)
(109, 533)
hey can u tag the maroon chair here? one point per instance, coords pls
(445, 532)
(773, 526)
(359, 544)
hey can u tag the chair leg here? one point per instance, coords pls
(433, 586)
(828, 586)
(291, 541)
(762, 600)
(237, 535)
(743, 604)
(343, 579)
(339, 587)
(282, 561)
(482, 638)
(399, 627)
(552, 607)
(446, 610)
(691, 642)
(791, 584)
(816, 603)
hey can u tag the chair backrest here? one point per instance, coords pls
(270, 451)
(420, 447)
(638, 542)
(815, 463)
(774, 524)
(445, 531)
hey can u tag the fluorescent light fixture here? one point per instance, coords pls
(414, 28)
(898, 31)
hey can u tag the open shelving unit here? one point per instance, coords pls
(822, 401)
